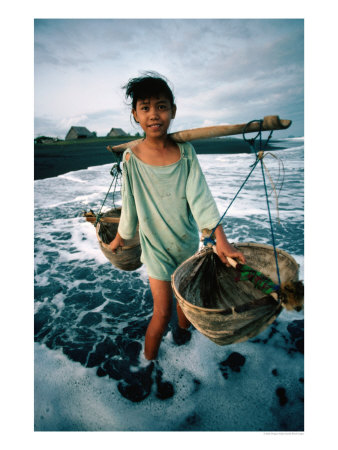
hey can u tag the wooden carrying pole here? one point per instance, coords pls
(269, 123)
(92, 219)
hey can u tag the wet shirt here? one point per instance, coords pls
(171, 204)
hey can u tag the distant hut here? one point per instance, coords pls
(79, 133)
(116, 132)
(45, 140)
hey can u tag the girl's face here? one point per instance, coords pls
(154, 115)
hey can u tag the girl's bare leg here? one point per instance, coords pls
(162, 297)
(183, 322)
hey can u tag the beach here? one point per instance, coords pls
(51, 160)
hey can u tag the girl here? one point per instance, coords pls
(164, 190)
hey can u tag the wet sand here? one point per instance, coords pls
(51, 160)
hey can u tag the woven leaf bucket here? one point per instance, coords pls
(127, 257)
(224, 310)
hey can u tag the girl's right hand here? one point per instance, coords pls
(116, 243)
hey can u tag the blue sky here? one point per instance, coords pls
(221, 70)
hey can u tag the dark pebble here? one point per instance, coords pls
(197, 384)
(103, 351)
(132, 350)
(165, 389)
(129, 349)
(107, 346)
(235, 361)
(135, 392)
(137, 386)
(300, 345)
(100, 372)
(296, 332)
(180, 335)
(281, 394)
(273, 331)
(117, 369)
(296, 329)
(193, 419)
(61, 338)
(274, 372)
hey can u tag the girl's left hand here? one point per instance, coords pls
(116, 243)
(225, 249)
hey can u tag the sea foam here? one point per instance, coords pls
(84, 304)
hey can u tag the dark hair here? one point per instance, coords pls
(151, 84)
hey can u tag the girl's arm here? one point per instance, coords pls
(224, 248)
(205, 212)
(116, 243)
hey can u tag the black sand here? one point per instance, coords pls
(51, 160)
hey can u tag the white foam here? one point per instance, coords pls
(292, 139)
(69, 396)
(72, 176)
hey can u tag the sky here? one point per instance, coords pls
(222, 71)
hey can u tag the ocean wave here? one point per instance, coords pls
(90, 318)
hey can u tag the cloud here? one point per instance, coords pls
(48, 127)
(222, 70)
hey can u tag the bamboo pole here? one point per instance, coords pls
(269, 123)
(92, 219)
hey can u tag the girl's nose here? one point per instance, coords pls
(153, 112)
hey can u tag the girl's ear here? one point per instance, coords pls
(174, 109)
(135, 115)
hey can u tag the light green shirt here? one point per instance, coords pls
(170, 203)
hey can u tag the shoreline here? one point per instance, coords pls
(51, 160)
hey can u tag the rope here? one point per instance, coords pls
(274, 189)
(209, 239)
(259, 158)
(251, 142)
(271, 226)
(115, 172)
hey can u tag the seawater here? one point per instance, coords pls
(88, 312)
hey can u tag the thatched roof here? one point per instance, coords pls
(78, 132)
(116, 132)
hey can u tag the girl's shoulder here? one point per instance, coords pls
(188, 150)
(126, 155)
(132, 150)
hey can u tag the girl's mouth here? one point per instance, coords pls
(155, 125)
